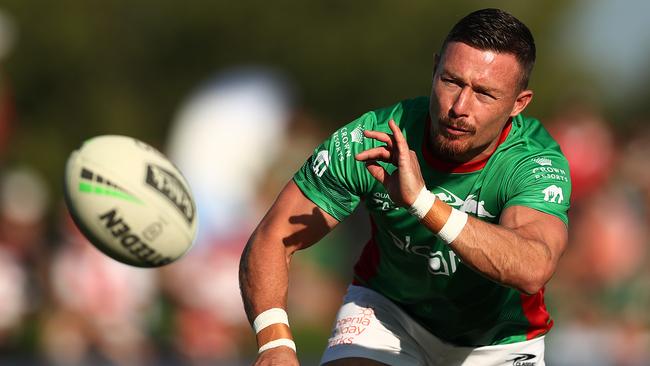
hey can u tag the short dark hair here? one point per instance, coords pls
(498, 31)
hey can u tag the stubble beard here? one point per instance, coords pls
(448, 147)
(451, 147)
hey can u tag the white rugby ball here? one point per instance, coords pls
(130, 201)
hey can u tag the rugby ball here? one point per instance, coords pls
(130, 201)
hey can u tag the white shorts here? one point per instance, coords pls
(370, 326)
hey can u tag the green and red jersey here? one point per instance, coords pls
(405, 261)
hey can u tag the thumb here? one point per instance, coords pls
(377, 171)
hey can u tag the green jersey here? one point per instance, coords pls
(409, 264)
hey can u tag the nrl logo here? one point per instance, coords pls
(543, 161)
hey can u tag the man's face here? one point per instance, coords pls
(474, 93)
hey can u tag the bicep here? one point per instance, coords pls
(294, 220)
(535, 225)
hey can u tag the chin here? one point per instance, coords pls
(450, 147)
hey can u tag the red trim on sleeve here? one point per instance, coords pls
(536, 313)
(452, 167)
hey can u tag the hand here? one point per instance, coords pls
(406, 182)
(278, 356)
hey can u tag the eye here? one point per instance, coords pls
(450, 81)
(483, 95)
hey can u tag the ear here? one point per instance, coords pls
(523, 99)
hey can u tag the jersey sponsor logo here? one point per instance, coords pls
(381, 201)
(553, 194)
(438, 262)
(348, 328)
(543, 161)
(357, 135)
(468, 205)
(341, 141)
(321, 163)
(548, 172)
(522, 359)
(552, 177)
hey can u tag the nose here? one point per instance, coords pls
(460, 106)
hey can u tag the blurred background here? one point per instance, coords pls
(238, 94)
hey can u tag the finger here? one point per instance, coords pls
(380, 136)
(377, 171)
(300, 219)
(377, 153)
(400, 141)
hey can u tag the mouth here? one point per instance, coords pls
(454, 130)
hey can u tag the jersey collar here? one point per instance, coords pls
(452, 167)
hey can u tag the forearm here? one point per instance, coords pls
(292, 223)
(263, 279)
(289, 225)
(499, 253)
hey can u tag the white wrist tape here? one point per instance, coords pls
(277, 343)
(269, 317)
(422, 204)
(454, 225)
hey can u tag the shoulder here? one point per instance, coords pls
(532, 169)
(530, 133)
(529, 141)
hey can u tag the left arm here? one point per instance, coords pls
(521, 252)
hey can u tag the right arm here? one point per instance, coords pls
(292, 223)
(333, 180)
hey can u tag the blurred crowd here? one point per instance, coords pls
(600, 295)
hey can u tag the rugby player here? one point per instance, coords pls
(468, 203)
